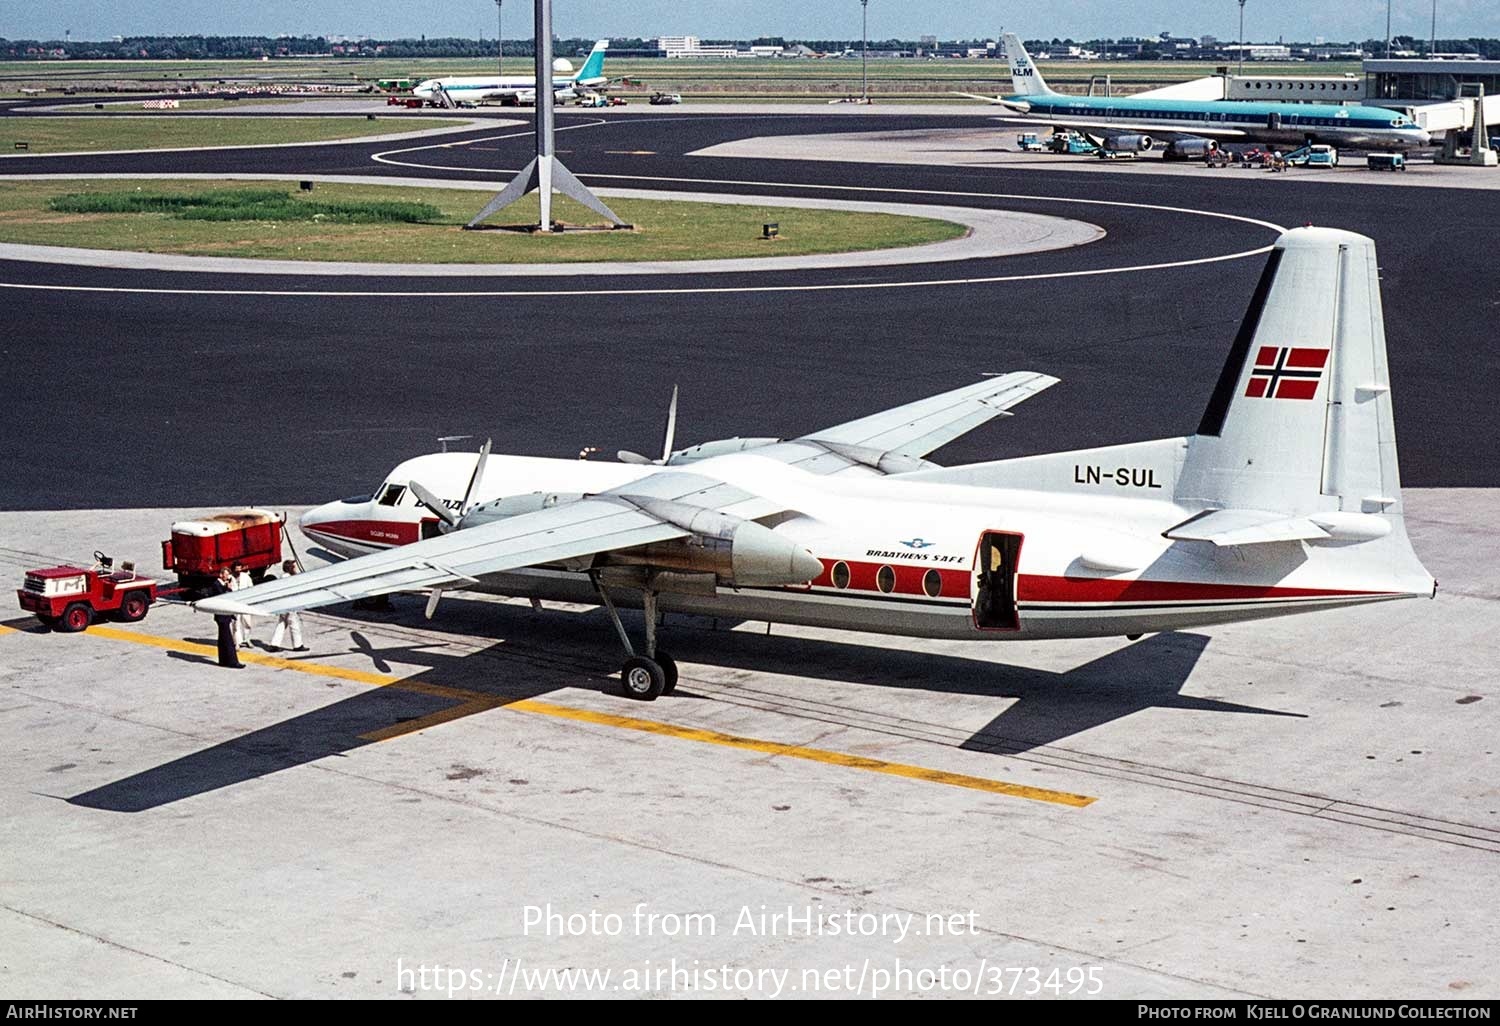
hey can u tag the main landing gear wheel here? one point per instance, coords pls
(643, 679)
(669, 669)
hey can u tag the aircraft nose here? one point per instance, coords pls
(330, 512)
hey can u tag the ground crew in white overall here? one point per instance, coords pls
(288, 621)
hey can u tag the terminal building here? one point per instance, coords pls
(1429, 80)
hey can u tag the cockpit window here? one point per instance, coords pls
(392, 494)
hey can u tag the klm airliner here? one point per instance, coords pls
(449, 92)
(1138, 122)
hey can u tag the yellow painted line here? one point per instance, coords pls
(470, 702)
(261, 659)
(713, 737)
(411, 726)
(9, 630)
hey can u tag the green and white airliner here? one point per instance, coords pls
(1139, 122)
(450, 92)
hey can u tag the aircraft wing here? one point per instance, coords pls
(581, 528)
(993, 101)
(1125, 126)
(657, 508)
(921, 427)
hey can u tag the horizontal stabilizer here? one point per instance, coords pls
(1225, 527)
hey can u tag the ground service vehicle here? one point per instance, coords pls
(69, 598)
(665, 99)
(1386, 162)
(1072, 143)
(198, 549)
(1029, 142)
(1314, 155)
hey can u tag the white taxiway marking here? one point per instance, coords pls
(699, 290)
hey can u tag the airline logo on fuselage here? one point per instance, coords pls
(919, 557)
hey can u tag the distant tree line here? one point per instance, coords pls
(255, 47)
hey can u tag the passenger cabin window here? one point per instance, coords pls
(392, 494)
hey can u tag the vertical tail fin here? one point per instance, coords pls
(593, 68)
(1025, 77)
(1300, 421)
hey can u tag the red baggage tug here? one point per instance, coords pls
(199, 548)
(69, 598)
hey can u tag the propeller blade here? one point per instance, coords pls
(626, 456)
(666, 449)
(433, 503)
(484, 456)
(432, 602)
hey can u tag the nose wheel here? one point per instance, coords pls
(645, 676)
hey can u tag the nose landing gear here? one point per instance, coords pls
(645, 677)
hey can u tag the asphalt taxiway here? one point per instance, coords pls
(1299, 806)
(761, 352)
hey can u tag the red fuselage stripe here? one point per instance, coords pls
(956, 581)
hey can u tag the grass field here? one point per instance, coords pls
(153, 131)
(828, 78)
(148, 216)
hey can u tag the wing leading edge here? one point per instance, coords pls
(581, 528)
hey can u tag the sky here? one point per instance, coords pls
(1265, 20)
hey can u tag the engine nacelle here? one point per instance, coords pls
(1137, 143)
(738, 552)
(1189, 149)
(722, 447)
(514, 506)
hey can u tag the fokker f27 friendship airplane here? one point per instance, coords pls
(1286, 500)
(450, 92)
(1139, 122)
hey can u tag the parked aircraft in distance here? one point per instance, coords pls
(1138, 122)
(450, 92)
(1287, 499)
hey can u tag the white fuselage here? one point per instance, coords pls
(477, 88)
(919, 558)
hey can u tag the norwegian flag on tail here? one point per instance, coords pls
(1286, 372)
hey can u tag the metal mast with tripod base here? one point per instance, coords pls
(545, 173)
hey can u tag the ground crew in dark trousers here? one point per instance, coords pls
(228, 654)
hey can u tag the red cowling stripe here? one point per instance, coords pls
(384, 532)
